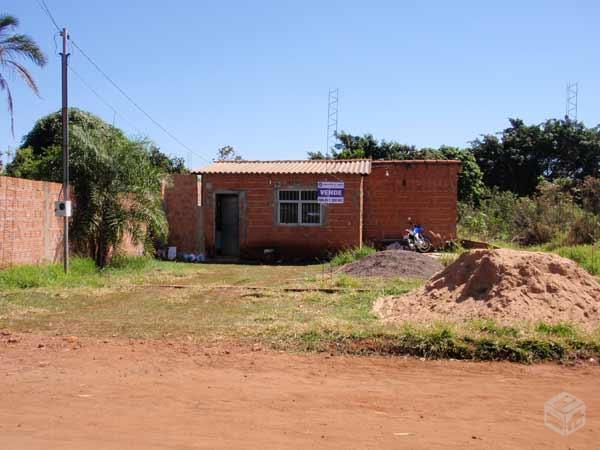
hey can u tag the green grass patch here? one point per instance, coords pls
(351, 255)
(82, 273)
(560, 329)
(587, 256)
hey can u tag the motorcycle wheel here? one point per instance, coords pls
(424, 245)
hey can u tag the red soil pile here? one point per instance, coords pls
(505, 285)
(394, 263)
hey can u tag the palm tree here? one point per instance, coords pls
(13, 48)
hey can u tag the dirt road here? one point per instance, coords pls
(58, 393)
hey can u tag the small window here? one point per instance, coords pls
(288, 213)
(298, 207)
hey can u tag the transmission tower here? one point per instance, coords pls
(332, 120)
(571, 104)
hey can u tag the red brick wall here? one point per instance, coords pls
(258, 227)
(180, 200)
(395, 190)
(29, 231)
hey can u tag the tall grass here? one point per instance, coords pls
(587, 256)
(351, 255)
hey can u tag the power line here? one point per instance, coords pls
(46, 9)
(102, 99)
(134, 103)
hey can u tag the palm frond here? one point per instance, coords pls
(4, 87)
(7, 22)
(21, 45)
(24, 73)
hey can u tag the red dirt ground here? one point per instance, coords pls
(87, 394)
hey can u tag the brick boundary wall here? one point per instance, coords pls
(29, 231)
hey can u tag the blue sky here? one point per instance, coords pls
(255, 75)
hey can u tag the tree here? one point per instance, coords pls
(470, 185)
(163, 162)
(40, 157)
(523, 154)
(116, 181)
(228, 153)
(14, 48)
(118, 192)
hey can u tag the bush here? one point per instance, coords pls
(492, 220)
(351, 255)
(553, 214)
(585, 230)
(589, 191)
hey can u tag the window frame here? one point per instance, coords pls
(298, 204)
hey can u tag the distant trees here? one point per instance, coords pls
(14, 48)
(519, 156)
(228, 153)
(470, 186)
(116, 180)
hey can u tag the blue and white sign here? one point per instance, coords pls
(330, 192)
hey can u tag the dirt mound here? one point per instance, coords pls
(505, 285)
(394, 263)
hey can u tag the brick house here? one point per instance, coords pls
(241, 208)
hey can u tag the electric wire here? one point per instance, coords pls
(46, 9)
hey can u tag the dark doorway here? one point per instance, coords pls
(227, 225)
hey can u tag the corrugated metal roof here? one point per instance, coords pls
(339, 166)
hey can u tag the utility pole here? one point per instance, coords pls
(65, 145)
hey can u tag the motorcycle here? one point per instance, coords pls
(415, 239)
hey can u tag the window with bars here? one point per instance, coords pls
(298, 207)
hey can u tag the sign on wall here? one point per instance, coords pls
(330, 192)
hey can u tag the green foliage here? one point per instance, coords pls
(82, 272)
(559, 329)
(584, 230)
(351, 255)
(552, 214)
(32, 276)
(546, 216)
(470, 185)
(118, 193)
(116, 181)
(15, 47)
(40, 155)
(492, 219)
(589, 193)
(523, 154)
(164, 163)
(228, 153)
(587, 256)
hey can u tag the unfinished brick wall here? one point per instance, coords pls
(423, 190)
(258, 224)
(29, 231)
(181, 204)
